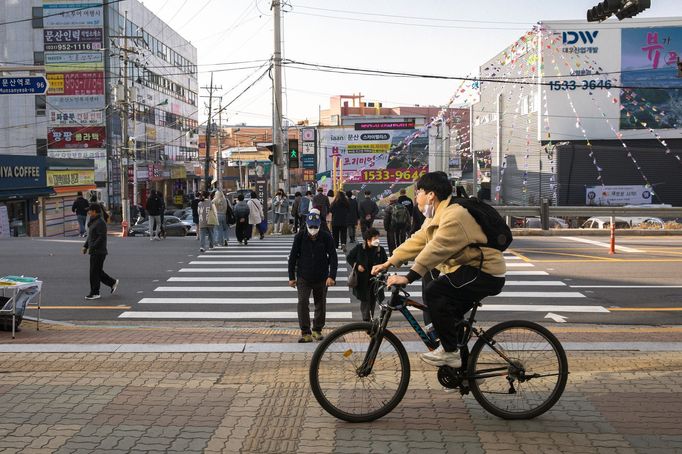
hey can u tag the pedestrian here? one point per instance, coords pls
(363, 257)
(400, 223)
(205, 228)
(353, 215)
(242, 227)
(162, 230)
(388, 225)
(294, 210)
(153, 208)
(405, 200)
(304, 208)
(96, 246)
(105, 213)
(339, 210)
(196, 198)
(229, 217)
(312, 268)
(368, 210)
(280, 208)
(80, 207)
(213, 222)
(220, 205)
(256, 214)
(418, 219)
(330, 196)
(322, 204)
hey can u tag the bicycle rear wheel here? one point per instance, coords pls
(529, 381)
(339, 386)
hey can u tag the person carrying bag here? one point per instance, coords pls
(362, 258)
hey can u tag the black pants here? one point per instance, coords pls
(97, 273)
(243, 231)
(367, 307)
(351, 233)
(339, 234)
(365, 224)
(394, 238)
(297, 219)
(448, 304)
(319, 291)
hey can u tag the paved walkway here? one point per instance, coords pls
(615, 401)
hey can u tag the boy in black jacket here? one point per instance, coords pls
(312, 268)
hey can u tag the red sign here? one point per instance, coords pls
(84, 83)
(76, 137)
(389, 175)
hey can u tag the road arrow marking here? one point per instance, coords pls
(556, 317)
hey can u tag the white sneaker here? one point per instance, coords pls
(115, 286)
(439, 357)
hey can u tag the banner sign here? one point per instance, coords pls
(81, 83)
(70, 177)
(387, 125)
(389, 175)
(76, 102)
(72, 14)
(617, 195)
(71, 39)
(76, 117)
(75, 137)
(98, 156)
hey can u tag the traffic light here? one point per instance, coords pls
(623, 9)
(293, 154)
(632, 8)
(271, 156)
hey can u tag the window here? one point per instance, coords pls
(41, 105)
(39, 58)
(37, 17)
(41, 147)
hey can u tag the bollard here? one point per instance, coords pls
(612, 249)
(124, 227)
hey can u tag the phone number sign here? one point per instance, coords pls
(390, 175)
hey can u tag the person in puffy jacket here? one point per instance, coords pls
(256, 214)
(242, 227)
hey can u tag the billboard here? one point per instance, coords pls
(72, 39)
(610, 83)
(99, 157)
(64, 103)
(77, 117)
(64, 62)
(80, 83)
(80, 13)
(76, 137)
(618, 195)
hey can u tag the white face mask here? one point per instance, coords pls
(312, 230)
(375, 242)
(428, 210)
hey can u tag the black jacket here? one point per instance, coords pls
(368, 207)
(340, 212)
(405, 200)
(155, 206)
(96, 243)
(353, 215)
(80, 206)
(367, 257)
(195, 210)
(313, 260)
(321, 202)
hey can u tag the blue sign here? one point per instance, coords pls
(22, 172)
(33, 85)
(308, 161)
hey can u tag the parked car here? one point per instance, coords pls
(605, 223)
(171, 224)
(554, 223)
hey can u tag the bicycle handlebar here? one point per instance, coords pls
(381, 279)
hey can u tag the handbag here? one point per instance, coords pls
(353, 277)
(263, 226)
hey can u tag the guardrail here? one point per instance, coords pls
(588, 211)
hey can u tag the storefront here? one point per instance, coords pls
(23, 181)
(67, 177)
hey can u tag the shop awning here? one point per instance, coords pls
(10, 194)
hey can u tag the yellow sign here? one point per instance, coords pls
(56, 82)
(57, 178)
(150, 131)
(178, 173)
(368, 147)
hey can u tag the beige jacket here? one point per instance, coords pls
(442, 243)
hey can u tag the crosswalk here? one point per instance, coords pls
(251, 283)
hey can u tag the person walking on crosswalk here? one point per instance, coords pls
(242, 228)
(312, 268)
(205, 222)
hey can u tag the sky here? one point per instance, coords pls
(441, 37)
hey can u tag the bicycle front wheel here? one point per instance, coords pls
(517, 370)
(348, 391)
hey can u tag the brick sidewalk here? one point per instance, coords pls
(615, 402)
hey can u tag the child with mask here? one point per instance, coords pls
(363, 257)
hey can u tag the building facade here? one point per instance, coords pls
(83, 49)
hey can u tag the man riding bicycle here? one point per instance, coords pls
(454, 273)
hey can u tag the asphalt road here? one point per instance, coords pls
(572, 278)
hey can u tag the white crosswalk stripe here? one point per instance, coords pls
(250, 283)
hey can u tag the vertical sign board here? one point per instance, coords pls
(4, 222)
(308, 154)
(74, 63)
(262, 193)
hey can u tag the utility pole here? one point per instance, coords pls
(277, 97)
(210, 89)
(125, 139)
(219, 151)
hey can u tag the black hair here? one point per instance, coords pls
(254, 195)
(240, 197)
(308, 193)
(330, 193)
(160, 194)
(205, 194)
(298, 194)
(368, 193)
(436, 182)
(80, 193)
(349, 194)
(403, 191)
(96, 207)
(320, 189)
(370, 233)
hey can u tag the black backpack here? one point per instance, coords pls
(496, 230)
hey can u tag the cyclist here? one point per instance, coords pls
(448, 264)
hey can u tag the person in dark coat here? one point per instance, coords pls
(364, 256)
(80, 207)
(353, 215)
(321, 203)
(242, 227)
(368, 210)
(96, 246)
(340, 209)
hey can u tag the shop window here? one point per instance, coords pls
(37, 17)
(41, 105)
(41, 147)
(39, 58)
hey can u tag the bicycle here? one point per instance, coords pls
(361, 371)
